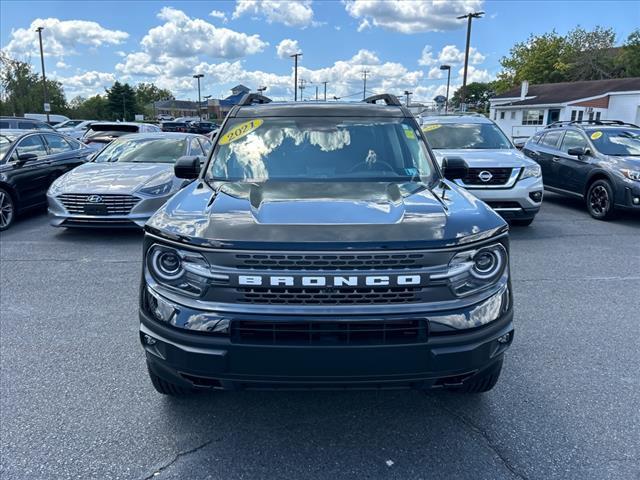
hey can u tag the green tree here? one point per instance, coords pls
(588, 54)
(628, 58)
(146, 94)
(22, 89)
(121, 100)
(477, 95)
(93, 108)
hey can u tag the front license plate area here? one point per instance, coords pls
(96, 209)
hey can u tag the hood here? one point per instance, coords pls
(121, 178)
(482, 158)
(370, 214)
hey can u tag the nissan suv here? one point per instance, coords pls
(595, 160)
(499, 174)
(321, 246)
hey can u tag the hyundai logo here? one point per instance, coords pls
(94, 199)
(485, 176)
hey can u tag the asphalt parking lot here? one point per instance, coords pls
(76, 402)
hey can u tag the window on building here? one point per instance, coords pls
(598, 115)
(590, 116)
(580, 115)
(573, 115)
(501, 115)
(495, 114)
(513, 115)
(532, 117)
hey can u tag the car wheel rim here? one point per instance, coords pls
(6, 210)
(599, 200)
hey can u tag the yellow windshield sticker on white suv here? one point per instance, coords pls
(428, 128)
(596, 135)
(239, 131)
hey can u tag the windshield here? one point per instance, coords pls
(454, 136)
(143, 150)
(69, 124)
(618, 142)
(5, 144)
(325, 149)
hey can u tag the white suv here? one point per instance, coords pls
(499, 174)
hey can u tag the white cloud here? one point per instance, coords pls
(364, 24)
(291, 14)
(61, 37)
(450, 54)
(476, 75)
(434, 73)
(219, 15)
(86, 84)
(120, 53)
(288, 47)
(427, 58)
(411, 16)
(61, 64)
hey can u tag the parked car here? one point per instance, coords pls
(174, 126)
(597, 161)
(125, 183)
(53, 119)
(202, 128)
(322, 247)
(75, 128)
(20, 123)
(102, 133)
(499, 174)
(29, 162)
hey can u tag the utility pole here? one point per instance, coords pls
(325, 90)
(295, 75)
(302, 87)
(407, 93)
(198, 76)
(316, 93)
(463, 92)
(46, 107)
(364, 89)
(448, 69)
(124, 110)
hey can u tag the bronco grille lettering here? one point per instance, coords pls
(331, 281)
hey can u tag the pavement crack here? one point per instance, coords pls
(176, 458)
(490, 444)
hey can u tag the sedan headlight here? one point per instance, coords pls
(474, 270)
(182, 270)
(631, 174)
(56, 187)
(532, 171)
(156, 190)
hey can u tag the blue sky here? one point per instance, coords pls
(90, 44)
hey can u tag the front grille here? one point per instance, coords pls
(500, 176)
(320, 262)
(110, 204)
(328, 296)
(374, 332)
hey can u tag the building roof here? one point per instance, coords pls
(551, 93)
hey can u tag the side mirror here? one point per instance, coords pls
(454, 168)
(578, 151)
(187, 167)
(27, 157)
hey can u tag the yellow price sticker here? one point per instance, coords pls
(409, 134)
(596, 135)
(239, 131)
(428, 128)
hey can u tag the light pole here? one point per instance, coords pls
(463, 92)
(45, 105)
(325, 90)
(261, 90)
(448, 69)
(198, 76)
(295, 75)
(407, 93)
(364, 89)
(124, 111)
(302, 86)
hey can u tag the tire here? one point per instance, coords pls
(167, 388)
(600, 200)
(522, 223)
(7, 209)
(482, 382)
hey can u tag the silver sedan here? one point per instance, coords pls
(125, 183)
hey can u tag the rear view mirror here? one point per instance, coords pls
(454, 168)
(187, 167)
(27, 157)
(578, 151)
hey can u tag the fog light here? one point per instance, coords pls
(536, 196)
(636, 200)
(504, 338)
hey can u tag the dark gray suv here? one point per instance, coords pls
(598, 161)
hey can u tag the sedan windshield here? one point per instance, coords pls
(69, 124)
(618, 142)
(5, 144)
(143, 150)
(328, 149)
(450, 136)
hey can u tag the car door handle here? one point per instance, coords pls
(556, 159)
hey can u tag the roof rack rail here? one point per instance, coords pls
(580, 123)
(251, 98)
(388, 98)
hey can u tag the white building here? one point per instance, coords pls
(521, 112)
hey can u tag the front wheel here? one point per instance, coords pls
(7, 209)
(600, 200)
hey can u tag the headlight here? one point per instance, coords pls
(474, 270)
(56, 187)
(631, 174)
(532, 171)
(161, 189)
(188, 272)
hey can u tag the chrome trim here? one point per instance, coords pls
(507, 209)
(515, 173)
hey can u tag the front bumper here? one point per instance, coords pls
(515, 202)
(201, 360)
(628, 197)
(136, 218)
